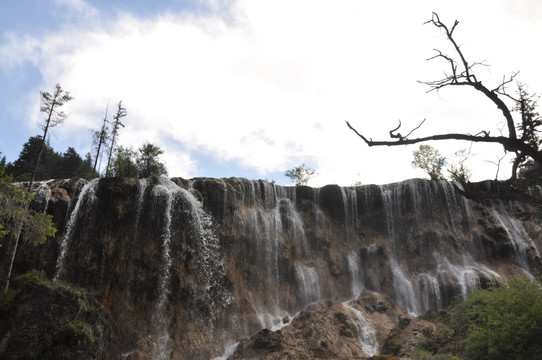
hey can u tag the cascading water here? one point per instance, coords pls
(210, 265)
(365, 331)
(404, 289)
(167, 191)
(89, 188)
(309, 280)
(43, 195)
(357, 286)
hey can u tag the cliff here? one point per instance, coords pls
(188, 268)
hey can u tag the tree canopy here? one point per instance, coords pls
(505, 322)
(148, 163)
(300, 175)
(429, 159)
(54, 165)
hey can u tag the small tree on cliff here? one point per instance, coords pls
(148, 163)
(17, 218)
(50, 104)
(429, 159)
(124, 163)
(461, 73)
(300, 175)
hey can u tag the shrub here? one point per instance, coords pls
(505, 322)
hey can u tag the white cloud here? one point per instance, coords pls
(271, 84)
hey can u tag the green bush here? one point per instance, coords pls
(505, 322)
(419, 354)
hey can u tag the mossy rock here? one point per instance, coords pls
(47, 320)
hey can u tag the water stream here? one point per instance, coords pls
(90, 189)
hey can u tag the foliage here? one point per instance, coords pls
(429, 159)
(54, 165)
(147, 161)
(505, 322)
(418, 354)
(124, 163)
(300, 175)
(36, 227)
(2, 161)
(457, 168)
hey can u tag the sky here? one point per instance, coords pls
(251, 88)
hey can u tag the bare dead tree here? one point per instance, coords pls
(100, 138)
(117, 123)
(461, 73)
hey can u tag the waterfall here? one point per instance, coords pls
(169, 191)
(350, 204)
(44, 194)
(209, 264)
(516, 238)
(430, 292)
(89, 188)
(309, 282)
(365, 331)
(388, 209)
(140, 199)
(357, 286)
(404, 290)
(218, 259)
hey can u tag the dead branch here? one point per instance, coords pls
(461, 73)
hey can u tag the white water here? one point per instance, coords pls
(209, 261)
(168, 190)
(309, 282)
(89, 188)
(366, 333)
(429, 286)
(404, 290)
(140, 199)
(275, 321)
(357, 286)
(515, 235)
(350, 203)
(229, 351)
(45, 193)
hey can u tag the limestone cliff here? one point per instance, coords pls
(189, 267)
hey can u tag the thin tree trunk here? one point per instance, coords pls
(15, 246)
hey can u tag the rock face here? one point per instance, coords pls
(189, 267)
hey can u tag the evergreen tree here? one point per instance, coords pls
(124, 163)
(70, 164)
(2, 162)
(147, 161)
(22, 168)
(50, 104)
